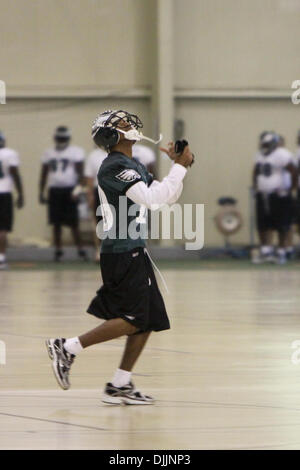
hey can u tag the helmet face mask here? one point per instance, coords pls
(269, 143)
(123, 119)
(108, 126)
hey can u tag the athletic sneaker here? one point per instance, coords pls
(61, 361)
(281, 259)
(58, 255)
(82, 254)
(127, 395)
(3, 265)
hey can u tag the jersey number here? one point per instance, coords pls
(108, 218)
(141, 218)
(265, 169)
(62, 164)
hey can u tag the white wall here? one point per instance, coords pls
(107, 48)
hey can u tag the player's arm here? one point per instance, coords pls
(80, 186)
(90, 191)
(15, 174)
(294, 175)
(79, 166)
(255, 175)
(159, 193)
(43, 181)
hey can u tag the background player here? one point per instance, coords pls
(129, 299)
(9, 175)
(62, 169)
(288, 186)
(146, 156)
(273, 199)
(91, 169)
(297, 162)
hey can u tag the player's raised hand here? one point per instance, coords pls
(170, 150)
(186, 158)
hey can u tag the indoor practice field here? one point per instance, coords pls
(222, 376)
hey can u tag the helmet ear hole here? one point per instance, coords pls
(106, 137)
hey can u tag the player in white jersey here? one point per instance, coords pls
(288, 186)
(9, 177)
(145, 156)
(273, 199)
(91, 169)
(62, 171)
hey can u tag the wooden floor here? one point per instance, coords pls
(222, 376)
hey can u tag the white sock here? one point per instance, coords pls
(2, 257)
(73, 346)
(266, 250)
(121, 378)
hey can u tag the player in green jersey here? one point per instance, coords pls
(129, 300)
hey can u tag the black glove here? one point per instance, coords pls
(180, 146)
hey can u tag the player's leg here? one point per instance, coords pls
(284, 218)
(110, 329)
(62, 352)
(78, 242)
(57, 237)
(3, 243)
(290, 250)
(282, 244)
(264, 227)
(121, 389)
(133, 348)
(6, 224)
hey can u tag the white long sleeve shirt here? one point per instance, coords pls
(159, 193)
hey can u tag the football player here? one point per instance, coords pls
(9, 177)
(92, 165)
(273, 200)
(129, 300)
(288, 186)
(62, 169)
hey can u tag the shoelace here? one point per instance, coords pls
(158, 271)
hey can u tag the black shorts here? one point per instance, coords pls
(274, 212)
(130, 291)
(296, 218)
(62, 209)
(6, 212)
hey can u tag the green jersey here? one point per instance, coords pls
(124, 222)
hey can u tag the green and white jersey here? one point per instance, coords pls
(123, 220)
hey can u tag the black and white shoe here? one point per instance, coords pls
(127, 395)
(58, 255)
(82, 254)
(3, 265)
(61, 361)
